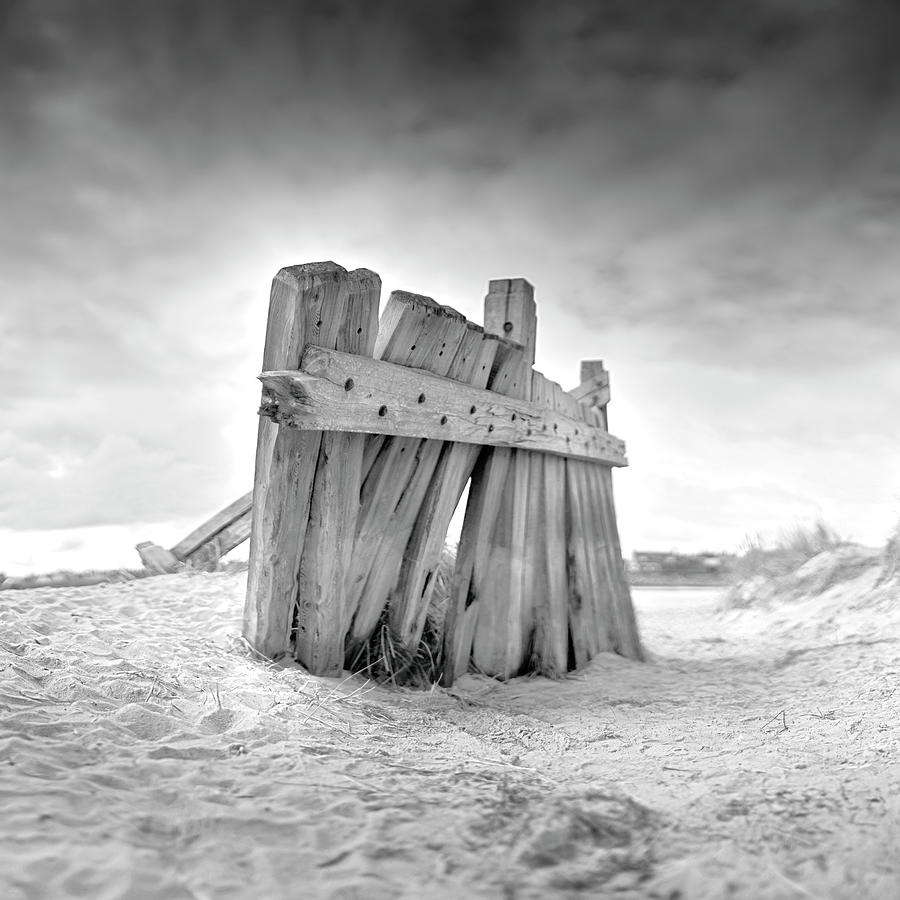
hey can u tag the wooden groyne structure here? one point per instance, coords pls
(368, 435)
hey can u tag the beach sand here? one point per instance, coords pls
(146, 753)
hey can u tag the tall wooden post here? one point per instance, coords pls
(322, 304)
(505, 616)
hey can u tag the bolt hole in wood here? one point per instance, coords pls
(421, 398)
(443, 420)
(348, 384)
(507, 327)
(490, 427)
(382, 410)
(514, 417)
(472, 411)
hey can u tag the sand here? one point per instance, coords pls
(145, 753)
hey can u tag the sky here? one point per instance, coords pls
(705, 194)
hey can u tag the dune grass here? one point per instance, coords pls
(787, 553)
(805, 561)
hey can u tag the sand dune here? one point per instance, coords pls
(145, 753)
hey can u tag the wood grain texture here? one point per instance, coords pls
(308, 304)
(206, 557)
(209, 529)
(547, 545)
(505, 609)
(581, 575)
(413, 592)
(594, 390)
(472, 566)
(510, 312)
(340, 392)
(414, 332)
(279, 515)
(474, 570)
(627, 637)
(324, 609)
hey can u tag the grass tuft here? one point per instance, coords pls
(793, 548)
(386, 659)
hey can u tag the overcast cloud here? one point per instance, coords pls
(705, 194)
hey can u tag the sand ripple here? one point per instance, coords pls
(145, 753)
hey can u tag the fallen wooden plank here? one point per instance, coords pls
(157, 559)
(209, 529)
(207, 555)
(340, 392)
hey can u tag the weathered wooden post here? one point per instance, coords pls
(364, 447)
(306, 485)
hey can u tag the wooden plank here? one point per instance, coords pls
(427, 336)
(547, 544)
(594, 379)
(207, 556)
(594, 388)
(602, 593)
(627, 637)
(339, 392)
(307, 304)
(209, 529)
(498, 646)
(157, 559)
(504, 617)
(580, 574)
(510, 311)
(473, 570)
(473, 560)
(412, 595)
(279, 515)
(324, 607)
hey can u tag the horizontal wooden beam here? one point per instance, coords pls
(593, 390)
(336, 391)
